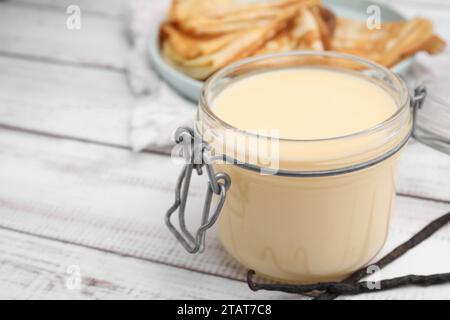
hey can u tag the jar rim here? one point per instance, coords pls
(404, 95)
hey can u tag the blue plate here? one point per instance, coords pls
(191, 88)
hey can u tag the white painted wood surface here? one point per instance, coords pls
(36, 33)
(110, 200)
(83, 103)
(36, 268)
(72, 194)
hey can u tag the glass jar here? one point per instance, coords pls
(323, 210)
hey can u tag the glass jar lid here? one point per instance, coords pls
(433, 118)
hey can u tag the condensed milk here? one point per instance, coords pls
(323, 210)
(304, 103)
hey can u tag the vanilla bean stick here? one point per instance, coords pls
(352, 288)
(350, 285)
(418, 238)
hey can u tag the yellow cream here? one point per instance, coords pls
(304, 104)
(306, 229)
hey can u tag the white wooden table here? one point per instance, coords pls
(74, 198)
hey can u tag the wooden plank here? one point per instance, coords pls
(64, 100)
(115, 201)
(109, 8)
(424, 172)
(38, 33)
(36, 268)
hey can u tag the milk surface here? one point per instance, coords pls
(304, 103)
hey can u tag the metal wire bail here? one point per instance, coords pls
(196, 156)
(420, 93)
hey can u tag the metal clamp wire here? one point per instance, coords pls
(218, 184)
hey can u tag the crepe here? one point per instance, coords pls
(201, 36)
(390, 44)
(186, 46)
(203, 17)
(200, 57)
(303, 33)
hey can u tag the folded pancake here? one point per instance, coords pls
(181, 10)
(200, 57)
(390, 44)
(201, 18)
(303, 33)
(326, 21)
(201, 36)
(186, 46)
